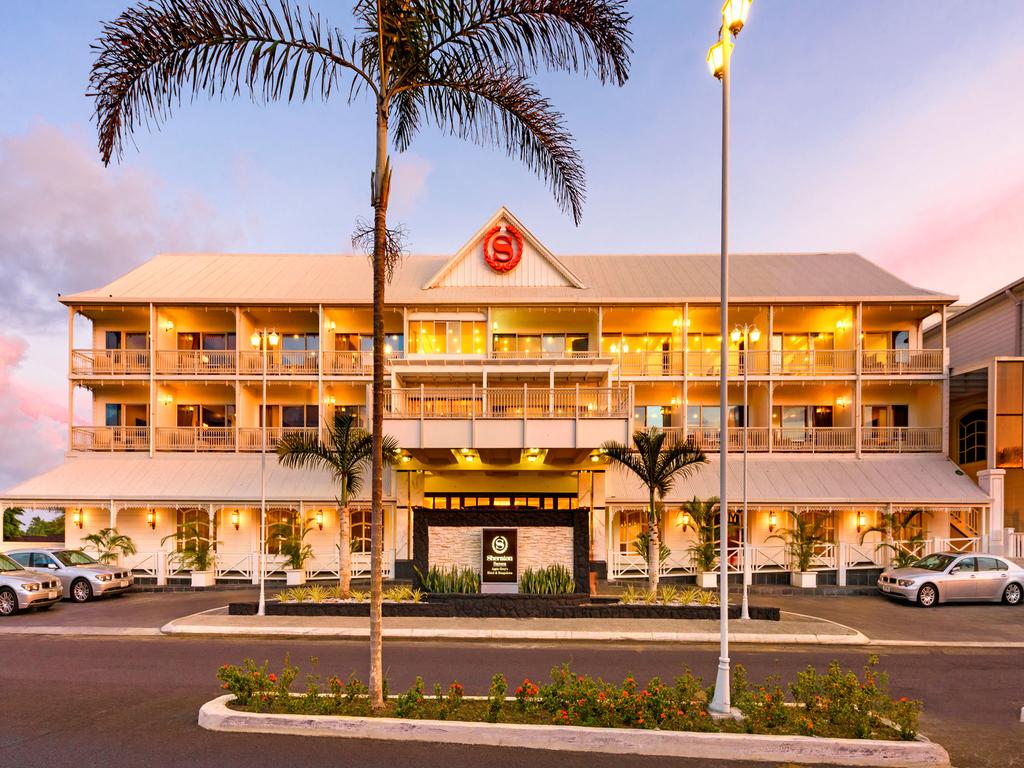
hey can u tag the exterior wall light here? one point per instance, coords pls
(76, 518)
(842, 401)
(167, 325)
(255, 339)
(684, 520)
(151, 520)
(734, 14)
(320, 519)
(773, 520)
(234, 519)
(166, 399)
(862, 521)
(330, 400)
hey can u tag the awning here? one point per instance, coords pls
(930, 479)
(174, 478)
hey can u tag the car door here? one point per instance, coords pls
(960, 583)
(993, 576)
(44, 561)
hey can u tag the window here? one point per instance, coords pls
(448, 337)
(659, 416)
(530, 500)
(972, 434)
(625, 343)
(298, 348)
(113, 414)
(632, 522)
(968, 564)
(296, 416)
(125, 415)
(1009, 414)
(212, 340)
(800, 417)
(198, 521)
(280, 520)
(206, 415)
(880, 416)
(360, 530)
(991, 564)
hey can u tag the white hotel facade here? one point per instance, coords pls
(508, 367)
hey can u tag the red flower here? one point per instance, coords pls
(903, 699)
(272, 677)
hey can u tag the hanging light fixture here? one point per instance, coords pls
(773, 520)
(151, 520)
(234, 519)
(320, 519)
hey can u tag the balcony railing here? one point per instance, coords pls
(709, 438)
(814, 439)
(109, 362)
(895, 361)
(251, 438)
(191, 362)
(567, 354)
(280, 362)
(342, 362)
(902, 439)
(110, 438)
(507, 403)
(195, 439)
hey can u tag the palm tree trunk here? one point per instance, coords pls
(653, 548)
(377, 472)
(345, 550)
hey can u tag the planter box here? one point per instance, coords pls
(295, 577)
(707, 579)
(203, 578)
(804, 579)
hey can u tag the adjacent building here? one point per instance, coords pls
(508, 367)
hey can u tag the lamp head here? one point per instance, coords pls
(755, 335)
(736, 335)
(273, 338)
(717, 55)
(734, 14)
(255, 339)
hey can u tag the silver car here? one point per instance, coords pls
(21, 589)
(81, 576)
(947, 577)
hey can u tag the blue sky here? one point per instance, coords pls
(887, 127)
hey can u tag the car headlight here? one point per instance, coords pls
(33, 587)
(905, 582)
(104, 576)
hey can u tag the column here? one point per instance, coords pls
(858, 407)
(992, 482)
(152, 379)
(71, 381)
(945, 386)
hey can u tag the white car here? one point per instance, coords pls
(948, 577)
(21, 589)
(81, 576)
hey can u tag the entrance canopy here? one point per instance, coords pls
(912, 479)
(172, 478)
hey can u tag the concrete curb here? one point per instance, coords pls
(216, 716)
(425, 633)
(83, 631)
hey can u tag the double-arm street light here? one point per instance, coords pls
(262, 340)
(745, 333)
(734, 15)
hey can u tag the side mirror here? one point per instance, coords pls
(52, 566)
(954, 569)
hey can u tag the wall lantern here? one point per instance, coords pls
(167, 325)
(862, 521)
(684, 520)
(151, 520)
(330, 325)
(76, 518)
(330, 400)
(234, 519)
(166, 399)
(773, 520)
(842, 401)
(320, 519)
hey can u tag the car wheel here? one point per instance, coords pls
(1012, 594)
(8, 602)
(81, 591)
(927, 596)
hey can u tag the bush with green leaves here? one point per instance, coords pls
(553, 580)
(455, 579)
(109, 545)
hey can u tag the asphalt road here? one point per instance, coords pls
(133, 701)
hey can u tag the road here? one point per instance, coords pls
(133, 701)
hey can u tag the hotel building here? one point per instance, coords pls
(508, 366)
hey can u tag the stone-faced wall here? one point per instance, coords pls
(443, 537)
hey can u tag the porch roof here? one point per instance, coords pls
(172, 478)
(930, 479)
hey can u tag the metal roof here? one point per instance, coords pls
(819, 479)
(172, 478)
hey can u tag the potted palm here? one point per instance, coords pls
(657, 466)
(194, 551)
(703, 515)
(291, 542)
(802, 541)
(903, 551)
(109, 545)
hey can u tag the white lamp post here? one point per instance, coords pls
(734, 15)
(746, 333)
(261, 340)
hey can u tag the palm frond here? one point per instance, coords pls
(156, 54)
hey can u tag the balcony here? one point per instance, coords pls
(110, 438)
(901, 439)
(816, 439)
(110, 362)
(352, 363)
(902, 361)
(507, 417)
(251, 438)
(196, 439)
(280, 362)
(195, 362)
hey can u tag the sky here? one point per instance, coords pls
(887, 127)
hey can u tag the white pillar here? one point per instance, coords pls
(992, 482)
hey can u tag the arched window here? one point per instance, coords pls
(632, 522)
(973, 437)
(360, 530)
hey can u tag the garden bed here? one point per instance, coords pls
(575, 606)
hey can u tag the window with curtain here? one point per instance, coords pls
(972, 437)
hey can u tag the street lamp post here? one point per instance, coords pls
(746, 333)
(734, 14)
(262, 340)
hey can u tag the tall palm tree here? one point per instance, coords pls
(462, 65)
(657, 466)
(344, 452)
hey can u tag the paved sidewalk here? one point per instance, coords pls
(792, 629)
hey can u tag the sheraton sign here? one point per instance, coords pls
(499, 559)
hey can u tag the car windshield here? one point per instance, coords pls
(74, 557)
(935, 562)
(6, 564)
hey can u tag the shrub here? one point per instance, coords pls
(496, 697)
(408, 704)
(403, 594)
(317, 593)
(449, 580)
(552, 580)
(448, 703)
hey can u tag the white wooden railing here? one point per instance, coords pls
(1015, 545)
(195, 439)
(280, 362)
(890, 361)
(110, 438)
(813, 439)
(507, 402)
(190, 362)
(251, 438)
(901, 439)
(567, 354)
(109, 362)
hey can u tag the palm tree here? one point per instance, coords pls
(12, 522)
(657, 466)
(704, 517)
(893, 526)
(344, 452)
(462, 65)
(109, 545)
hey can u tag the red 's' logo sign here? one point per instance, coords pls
(503, 248)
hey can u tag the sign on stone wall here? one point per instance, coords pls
(499, 559)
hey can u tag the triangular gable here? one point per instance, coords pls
(536, 267)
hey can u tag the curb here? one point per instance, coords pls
(215, 716)
(82, 631)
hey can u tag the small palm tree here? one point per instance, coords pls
(195, 549)
(109, 545)
(893, 525)
(292, 544)
(658, 466)
(802, 540)
(344, 452)
(704, 517)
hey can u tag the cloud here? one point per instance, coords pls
(409, 183)
(33, 422)
(68, 224)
